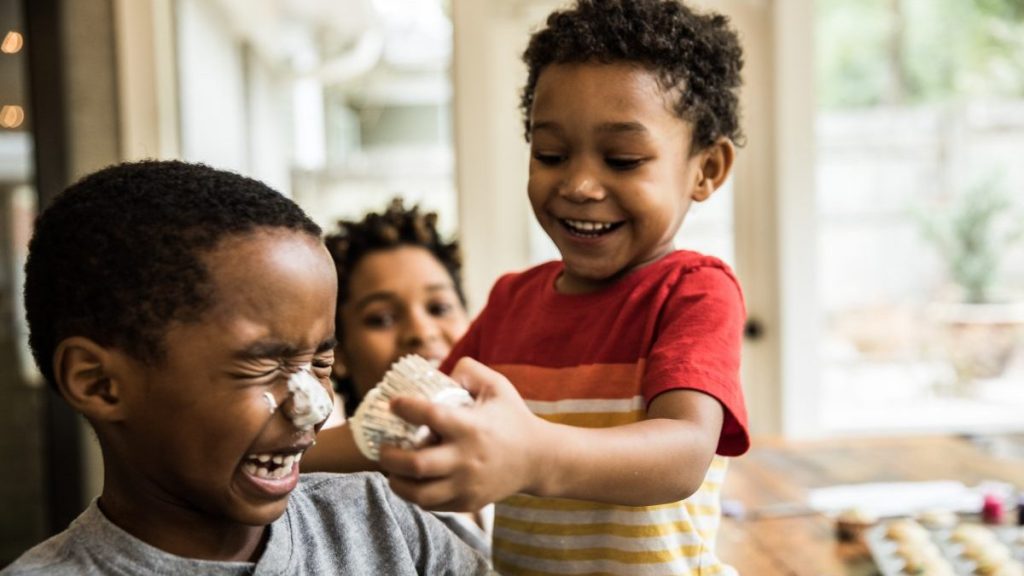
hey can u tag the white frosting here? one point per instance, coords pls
(271, 401)
(311, 404)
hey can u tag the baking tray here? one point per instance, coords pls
(884, 551)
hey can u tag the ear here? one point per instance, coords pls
(715, 166)
(86, 376)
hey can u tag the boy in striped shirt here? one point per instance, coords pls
(607, 383)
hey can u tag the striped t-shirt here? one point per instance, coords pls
(597, 360)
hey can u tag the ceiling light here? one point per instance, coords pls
(11, 116)
(12, 43)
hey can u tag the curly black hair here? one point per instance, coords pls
(118, 255)
(396, 226)
(697, 56)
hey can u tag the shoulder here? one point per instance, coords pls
(371, 528)
(689, 262)
(529, 283)
(692, 272)
(530, 277)
(54, 556)
(318, 487)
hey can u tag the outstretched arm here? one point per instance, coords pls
(498, 448)
(336, 451)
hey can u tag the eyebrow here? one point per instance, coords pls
(278, 349)
(605, 128)
(391, 296)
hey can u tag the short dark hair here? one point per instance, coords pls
(697, 55)
(118, 255)
(396, 226)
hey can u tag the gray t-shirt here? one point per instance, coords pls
(334, 524)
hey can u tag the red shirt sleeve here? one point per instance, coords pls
(698, 347)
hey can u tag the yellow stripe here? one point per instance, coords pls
(595, 419)
(601, 553)
(510, 568)
(603, 528)
(701, 509)
(565, 505)
(719, 463)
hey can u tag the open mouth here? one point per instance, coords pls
(588, 228)
(271, 466)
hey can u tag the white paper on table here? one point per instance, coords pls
(896, 498)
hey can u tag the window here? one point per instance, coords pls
(920, 213)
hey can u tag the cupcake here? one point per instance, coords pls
(374, 424)
(906, 530)
(853, 522)
(938, 518)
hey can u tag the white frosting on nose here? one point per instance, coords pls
(310, 402)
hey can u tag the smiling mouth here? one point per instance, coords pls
(588, 228)
(271, 466)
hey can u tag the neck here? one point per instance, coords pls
(181, 530)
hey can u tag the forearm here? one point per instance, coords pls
(336, 451)
(646, 463)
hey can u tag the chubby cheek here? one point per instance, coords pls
(367, 359)
(536, 191)
(454, 330)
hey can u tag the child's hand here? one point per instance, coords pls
(484, 453)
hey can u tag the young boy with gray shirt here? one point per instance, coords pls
(188, 314)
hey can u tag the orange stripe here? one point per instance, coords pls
(595, 420)
(605, 381)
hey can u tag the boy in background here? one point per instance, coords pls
(604, 432)
(188, 314)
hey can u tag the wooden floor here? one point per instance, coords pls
(778, 535)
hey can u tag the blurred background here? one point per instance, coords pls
(875, 217)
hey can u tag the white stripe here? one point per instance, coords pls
(570, 542)
(678, 568)
(574, 406)
(637, 517)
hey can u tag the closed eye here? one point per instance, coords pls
(623, 163)
(323, 362)
(548, 159)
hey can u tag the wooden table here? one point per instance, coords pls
(779, 536)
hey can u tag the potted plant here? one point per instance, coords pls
(980, 324)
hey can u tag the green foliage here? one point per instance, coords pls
(873, 52)
(974, 234)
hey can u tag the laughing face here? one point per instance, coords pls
(199, 439)
(401, 301)
(611, 172)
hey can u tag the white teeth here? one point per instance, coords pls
(272, 466)
(588, 226)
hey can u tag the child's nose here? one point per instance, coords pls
(581, 187)
(420, 329)
(309, 402)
